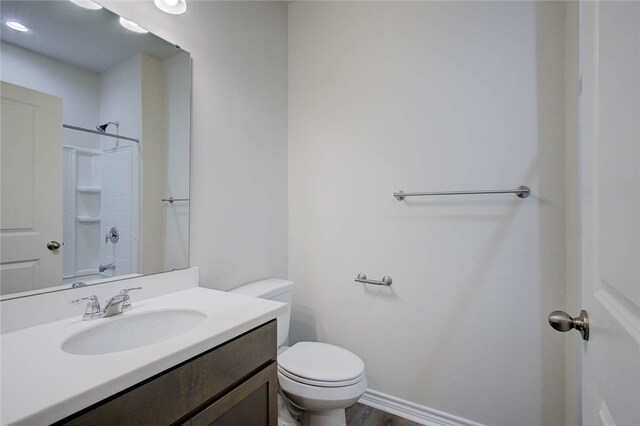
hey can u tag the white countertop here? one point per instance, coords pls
(42, 384)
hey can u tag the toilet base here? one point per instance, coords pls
(287, 414)
(335, 417)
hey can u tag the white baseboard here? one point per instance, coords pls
(410, 411)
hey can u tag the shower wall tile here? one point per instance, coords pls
(117, 208)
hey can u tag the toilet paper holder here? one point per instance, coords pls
(362, 278)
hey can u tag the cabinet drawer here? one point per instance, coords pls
(182, 390)
(254, 402)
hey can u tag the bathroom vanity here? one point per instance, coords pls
(194, 356)
(232, 384)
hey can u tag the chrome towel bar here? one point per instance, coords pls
(95, 132)
(362, 278)
(171, 200)
(521, 192)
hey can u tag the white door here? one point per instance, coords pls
(610, 143)
(31, 189)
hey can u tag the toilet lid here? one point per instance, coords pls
(320, 362)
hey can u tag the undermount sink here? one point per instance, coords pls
(132, 331)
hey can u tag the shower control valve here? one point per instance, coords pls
(113, 235)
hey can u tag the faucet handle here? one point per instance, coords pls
(127, 300)
(91, 298)
(93, 307)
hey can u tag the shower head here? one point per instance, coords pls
(103, 127)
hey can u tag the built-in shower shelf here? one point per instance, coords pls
(89, 189)
(88, 219)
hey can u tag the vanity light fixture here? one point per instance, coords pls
(132, 26)
(17, 26)
(174, 7)
(87, 4)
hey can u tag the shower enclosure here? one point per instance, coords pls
(100, 209)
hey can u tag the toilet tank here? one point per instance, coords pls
(272, 289)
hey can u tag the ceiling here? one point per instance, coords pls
(92, 39)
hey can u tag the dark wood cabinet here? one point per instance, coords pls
(232, 384)
(247, 404)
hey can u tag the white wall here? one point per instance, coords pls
(426, 96)
(239, 133)
(78, 88)
(121, 100)
(177, 91)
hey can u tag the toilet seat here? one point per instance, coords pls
(320, 398)
(321, 364)
(320, 383)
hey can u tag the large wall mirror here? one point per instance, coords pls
(95, 142)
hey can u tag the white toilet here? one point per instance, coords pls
(320, 379)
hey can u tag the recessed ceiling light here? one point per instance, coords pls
(175, 7)
(132, 26)
(87, 4)
(17, 26)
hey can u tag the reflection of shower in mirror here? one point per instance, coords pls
(103, 127)
(100, 182)
(107, 267)
(113, 235)
(100, 207)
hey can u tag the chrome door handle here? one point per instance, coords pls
(53, 245)
(563, 322)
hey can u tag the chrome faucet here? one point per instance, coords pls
(103, 268)
(119, 303)
(116, 305)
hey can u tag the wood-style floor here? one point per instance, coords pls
(363, 415)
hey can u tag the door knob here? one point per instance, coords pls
(53, 245)
(562, 321)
